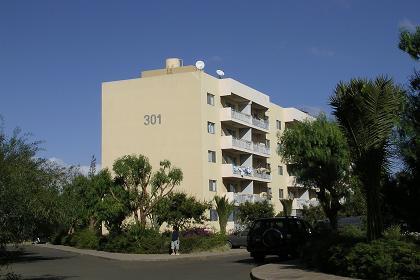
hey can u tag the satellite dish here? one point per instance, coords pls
(200, 64)
(220, 73)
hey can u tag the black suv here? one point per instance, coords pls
(277, 236)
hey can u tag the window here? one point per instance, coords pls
(212, 185)
(278, 124)
(269, 193)
(210, 99)
(281, 195)
(278, 147)
(280, 170)
(231, 217)
(212, 156)
(210, 127)
(213, 215)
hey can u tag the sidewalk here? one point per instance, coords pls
(144, 257)
(289, 271)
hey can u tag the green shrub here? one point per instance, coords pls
(135, 239)
(85, 239)
(351, 232)
(384, 259)
(117, 243)
(202, 243)
(348, 253)
(393, 232)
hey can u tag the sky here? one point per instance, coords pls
(55, 54)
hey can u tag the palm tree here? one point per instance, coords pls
(224, 208)
(367, 111)
(287, 206)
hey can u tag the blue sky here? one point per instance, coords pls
(55, 54)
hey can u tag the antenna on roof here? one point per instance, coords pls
(200, 64)
(220, 73)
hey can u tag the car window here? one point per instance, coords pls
(278, 224)
(244, 233)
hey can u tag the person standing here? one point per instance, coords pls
(175, 241)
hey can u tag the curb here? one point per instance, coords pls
(285, 271)
(142, 257)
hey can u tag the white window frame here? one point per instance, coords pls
(213, 215)
(211, 127)
(211, 156)
(212, 185)
(210, 99)
(281, 194)
(278, 124)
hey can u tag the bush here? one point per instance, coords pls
(384, 259)
(393, 232)
(135, 239)
(85, 239)
(348, 253)
(202, 243)
(196, 231)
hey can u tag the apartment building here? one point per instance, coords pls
(220, 132)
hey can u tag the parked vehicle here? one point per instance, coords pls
(280, 236)
(39, 240)
(238, 239)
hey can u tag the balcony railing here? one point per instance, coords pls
(241, 116)
(261, 148)
(239, 198)
(242, 170)
(262, 175)
(260, 123)
(250, 172)
(299, 203)
(244, 144)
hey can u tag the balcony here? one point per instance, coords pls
(260, 123)
(261, 148)
(230, 142)
(298, 203)
(228, 114)
(244, 172)
(262, 175)
(240, 116)
(231, 171)
(239, 198)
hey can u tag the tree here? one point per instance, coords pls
(410, 42)
(287, 206)
(29, 190)
(223, 208)
(403, 191)
(178, 209)
(367, 111)
(318, 155)
(145, 190)
(248, 211)
(312, 214)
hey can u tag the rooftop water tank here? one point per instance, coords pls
(173, 63)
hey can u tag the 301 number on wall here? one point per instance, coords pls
(152, 119)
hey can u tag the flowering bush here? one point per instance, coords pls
(196, 231)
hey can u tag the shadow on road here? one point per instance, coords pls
(49, 277)
(269, 259)
(21, 256)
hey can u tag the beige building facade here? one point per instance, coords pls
(220, 132)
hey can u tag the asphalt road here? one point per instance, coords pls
(38, 263)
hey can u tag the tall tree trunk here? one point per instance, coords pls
(373, 201)
(142, 217)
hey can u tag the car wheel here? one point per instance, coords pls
(272, 238)
(229, 244)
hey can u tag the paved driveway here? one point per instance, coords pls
(44, 263)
